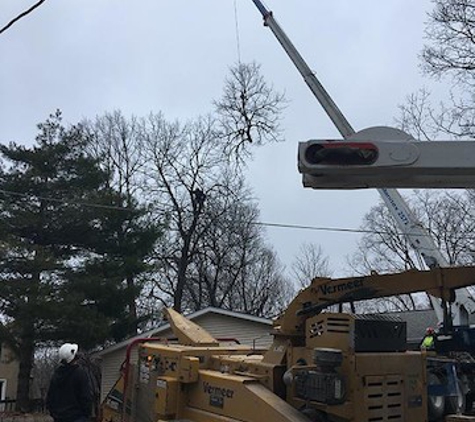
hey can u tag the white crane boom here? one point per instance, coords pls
(417, 235)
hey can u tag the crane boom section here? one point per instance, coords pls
(336, 116)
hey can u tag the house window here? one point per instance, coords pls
(3, 388)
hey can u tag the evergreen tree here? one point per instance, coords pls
(63, 260)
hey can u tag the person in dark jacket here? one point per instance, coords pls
(69, 397)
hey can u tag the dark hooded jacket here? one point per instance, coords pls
(69, 395)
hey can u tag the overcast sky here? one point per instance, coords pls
(87, 57)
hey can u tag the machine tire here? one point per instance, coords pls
(455, 405)
(435, 404)
(314, 415)
(469, 400)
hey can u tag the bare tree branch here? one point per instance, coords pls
(21, 15)
(309, 264)
(249, 111)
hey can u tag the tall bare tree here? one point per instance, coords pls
(448, 217)
(196, 186)
(212, 239)
(117, 144)
(184, 168)
(235, 268)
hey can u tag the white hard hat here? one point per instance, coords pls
(67, 352)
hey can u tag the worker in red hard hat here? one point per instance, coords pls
(428, 342)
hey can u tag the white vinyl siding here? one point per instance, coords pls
(247, 332)
(110, 370)
(9, 367)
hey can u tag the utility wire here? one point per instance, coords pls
(21, 15)
(275, 225)
(328, 229)
(63, 202)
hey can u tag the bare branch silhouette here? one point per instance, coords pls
(21, 15)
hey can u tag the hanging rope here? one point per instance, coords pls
(236, 22)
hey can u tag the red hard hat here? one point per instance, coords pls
(429, 330)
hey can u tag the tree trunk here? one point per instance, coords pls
(26, 354)
(180, 285)
(182, 267)
(132, 306)
(27, 339)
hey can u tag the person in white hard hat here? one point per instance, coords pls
(69, 397)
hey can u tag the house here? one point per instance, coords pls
(247, 329)
(9, 367)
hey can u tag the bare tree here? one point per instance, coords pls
(226, 252)
(212, 247)
(448, 217)
(249, 111)
(417, 116)
(449, 55)
(183, 168)
(454, 118)
(383, 247)
(451, 34)
(263, 290)
(117, 142)
(309, 264)
(235, 269)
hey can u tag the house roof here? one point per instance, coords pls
(417, 322)
(165, 326)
